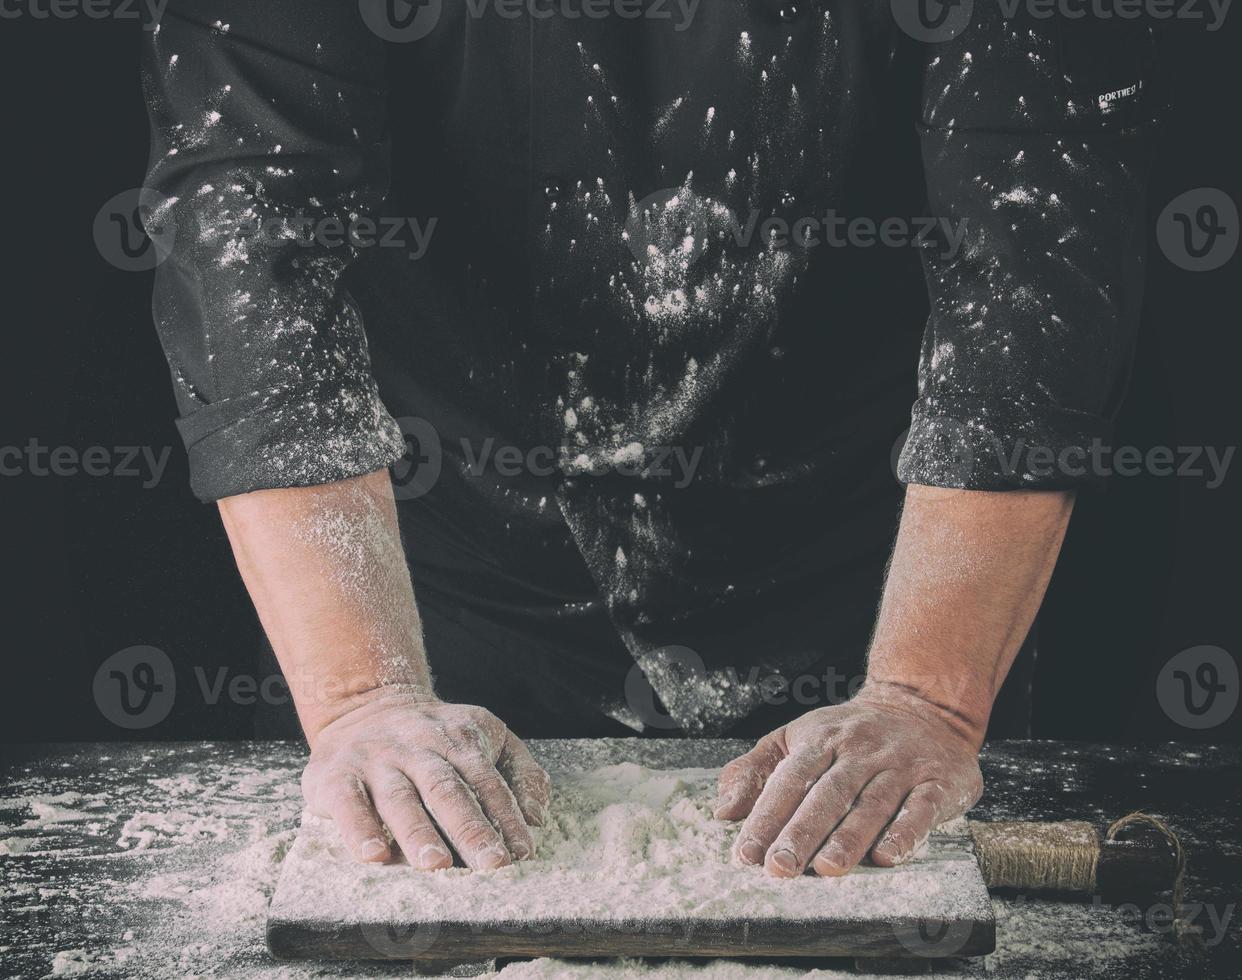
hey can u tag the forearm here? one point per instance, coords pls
(968, 574)
(327, 574)
(325, 568)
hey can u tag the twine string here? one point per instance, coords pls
(1186, 931)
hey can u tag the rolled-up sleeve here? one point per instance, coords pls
(269, 145)
(1036, 137)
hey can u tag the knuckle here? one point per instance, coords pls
(798, 838)
(837, 795)
(468, 732)
(419, 762)
(734, 769)
(444, 788)
(807, 760)
(475, 834)
(876, 814)
(336, 775)
(402, 794)
(848, 841)
(345, 787)
(472, 739)
(481, 722)
(417, 837)
(935, 795)
(762, 828)
(482, 777)
(478, 715)
(781, 799)
(857, 733)
(777, 741)
(481, 774)
(442, 736)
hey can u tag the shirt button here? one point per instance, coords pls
(790, 12)
(553, 189)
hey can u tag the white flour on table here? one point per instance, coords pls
(191, 905)
(623, 842)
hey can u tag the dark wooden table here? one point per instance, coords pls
(157, 860)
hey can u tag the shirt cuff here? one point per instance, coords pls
(280, 438)
(972, 444)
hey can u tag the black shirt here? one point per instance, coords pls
(629, 389)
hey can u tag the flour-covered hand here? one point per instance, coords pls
(876, 775)
(427, 770)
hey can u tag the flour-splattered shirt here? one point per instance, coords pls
(653, 279)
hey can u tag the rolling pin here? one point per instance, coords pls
(1077, 857)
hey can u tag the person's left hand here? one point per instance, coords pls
(875, 774)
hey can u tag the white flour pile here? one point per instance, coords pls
(623, 843)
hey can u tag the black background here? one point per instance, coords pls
(98, 564)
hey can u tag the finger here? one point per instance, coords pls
(741, 781)
(530, 784)
(825, 804)
(401, 809)
(783, 793)
(912, 825)
(859, 829)
(456, 812)
(496, 799)
(356, 821)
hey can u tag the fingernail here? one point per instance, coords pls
(751, 852)
(726, 803)
(432, 856)
(522, 850)
(832, 857)
(889, 852)
(492, 858)
(373, 849)
(785, 860)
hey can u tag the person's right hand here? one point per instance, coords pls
(401, 760)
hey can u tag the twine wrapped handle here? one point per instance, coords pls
(1066, 857)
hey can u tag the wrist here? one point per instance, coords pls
(334, 701)
(966, 722)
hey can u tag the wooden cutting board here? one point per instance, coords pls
(629, 865)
